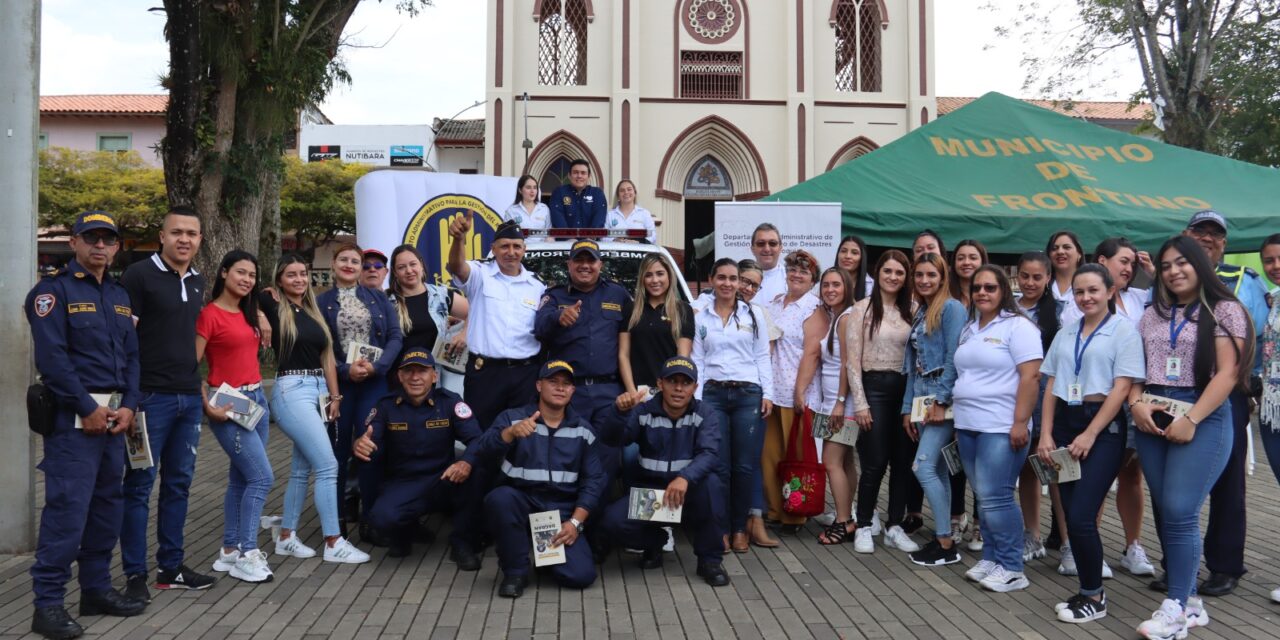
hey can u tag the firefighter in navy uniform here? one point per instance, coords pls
(579, 322)
(547, 464)
(84, 344)
(679, 440)
(410, 437)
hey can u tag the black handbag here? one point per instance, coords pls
(41, 409)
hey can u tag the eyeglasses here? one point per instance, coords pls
(1207, 231)
(749, 284)
(373, 266)
(989, 287)
(767, 243)
(107, 239)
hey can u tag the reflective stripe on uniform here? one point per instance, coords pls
(566, 432)
(692, 419)
(538, 475)
(662, 466)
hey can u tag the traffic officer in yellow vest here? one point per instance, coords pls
(86, 352)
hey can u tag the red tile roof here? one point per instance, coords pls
(105, 104)
(1080, 109)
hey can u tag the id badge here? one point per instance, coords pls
(1172, 368)
(1274, 372)
(1075, 395)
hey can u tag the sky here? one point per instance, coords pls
(118, 46)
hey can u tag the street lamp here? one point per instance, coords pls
(436, 132)
(527, 144)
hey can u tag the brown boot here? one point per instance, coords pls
(759, 534)
(740, 542)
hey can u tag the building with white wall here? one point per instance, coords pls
(702, 100)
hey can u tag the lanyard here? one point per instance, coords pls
(1079, 350)
(1174, 332)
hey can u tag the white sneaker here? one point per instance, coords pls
(252, 567)
(226, 561)
(979, 571)
(825, 519)
(1032, 547)
(1135, 561)
(960, 527)
(1275, 595)
(975, 542)
(1002, 580)
(1197, 615)
(1067, 564)
(293, 547)
(670, 546)
(896, 538)
(877, 527)
(344, 552)
(1167, 623)
(1107, 574)
(863, 542)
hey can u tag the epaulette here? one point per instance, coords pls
(1248, 271)
(53, 274)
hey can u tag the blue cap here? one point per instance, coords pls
(91, 220)
(679, 365)
(552, 367)
(1208, 215)
(509, 230)
(588, 246)
(418, 357)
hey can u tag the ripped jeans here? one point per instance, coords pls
(931, 470)
(249, 477)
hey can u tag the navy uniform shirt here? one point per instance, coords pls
(591, 343)
(84, 338)
(572, 209)
(557, 465)
(688, 447)
(418, 440)
(1248, 287)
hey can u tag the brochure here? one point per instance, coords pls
(847, 435)
(457, 363)
(322, 403)
(361, 351)
(951, 454)
(108, 400)
(646, 504)
(137, 446)
(1064, 467)
(1175, 408)
(244, 412)
(920, 405)
(545, 525)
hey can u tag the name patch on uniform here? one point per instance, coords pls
(462, 410)
(124, 311)
(397, 426)
(81, 307)
(438, 424)
(990, 340)
(43, 304)
(610, 306)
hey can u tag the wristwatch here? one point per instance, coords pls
(840, 399)
(577, 524)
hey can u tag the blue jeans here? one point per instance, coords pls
(1082, 498)
(295, 404)
(931, 470)
(1271, 444)
(741, 439)
(993, 465)
(1180, 477)
(173, 431)
(249, 477)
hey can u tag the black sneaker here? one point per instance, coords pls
(714, 574)
(651, 559)
(182, 578)
(933, 555)
(466, 559)
(135, 588)
(911, 524)
(109, 603)
(1082, 608)
(55, 622)
(1053, 541)
(512, 586)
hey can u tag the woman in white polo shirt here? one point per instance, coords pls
(998, 379)
(1089, 367)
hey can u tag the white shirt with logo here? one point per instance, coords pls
(987, 362)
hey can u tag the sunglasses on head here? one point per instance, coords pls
(989, 287)
(371, 266)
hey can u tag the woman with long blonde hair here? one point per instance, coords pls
(424, 311)
(657, 325)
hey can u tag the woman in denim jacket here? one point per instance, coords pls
(357, 314)
(930, 368)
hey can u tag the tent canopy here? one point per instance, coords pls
(1009, 174)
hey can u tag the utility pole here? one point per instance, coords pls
(19, 125)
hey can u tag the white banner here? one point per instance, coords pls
(405, 206)
(812, 226)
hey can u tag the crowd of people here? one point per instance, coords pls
(925, 367)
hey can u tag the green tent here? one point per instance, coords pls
(1009, 174)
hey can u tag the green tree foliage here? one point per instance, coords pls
(317, 200)
(121, 184)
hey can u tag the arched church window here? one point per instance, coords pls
(562, 43)
(858, 25)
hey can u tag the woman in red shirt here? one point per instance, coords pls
(227, 333)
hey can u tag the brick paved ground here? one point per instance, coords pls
(800, 590)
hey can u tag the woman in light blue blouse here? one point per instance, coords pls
(1090, 368)
(527, 210)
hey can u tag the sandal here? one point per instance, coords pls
(836, 533)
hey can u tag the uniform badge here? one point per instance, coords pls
(568, 201)
(702, 332)
(544, 301)
(397, 426)
(479, 363)
(124, 311)
(44, 304)
(373, 413)
(462, 410)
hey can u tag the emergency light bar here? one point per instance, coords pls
(575, 233)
